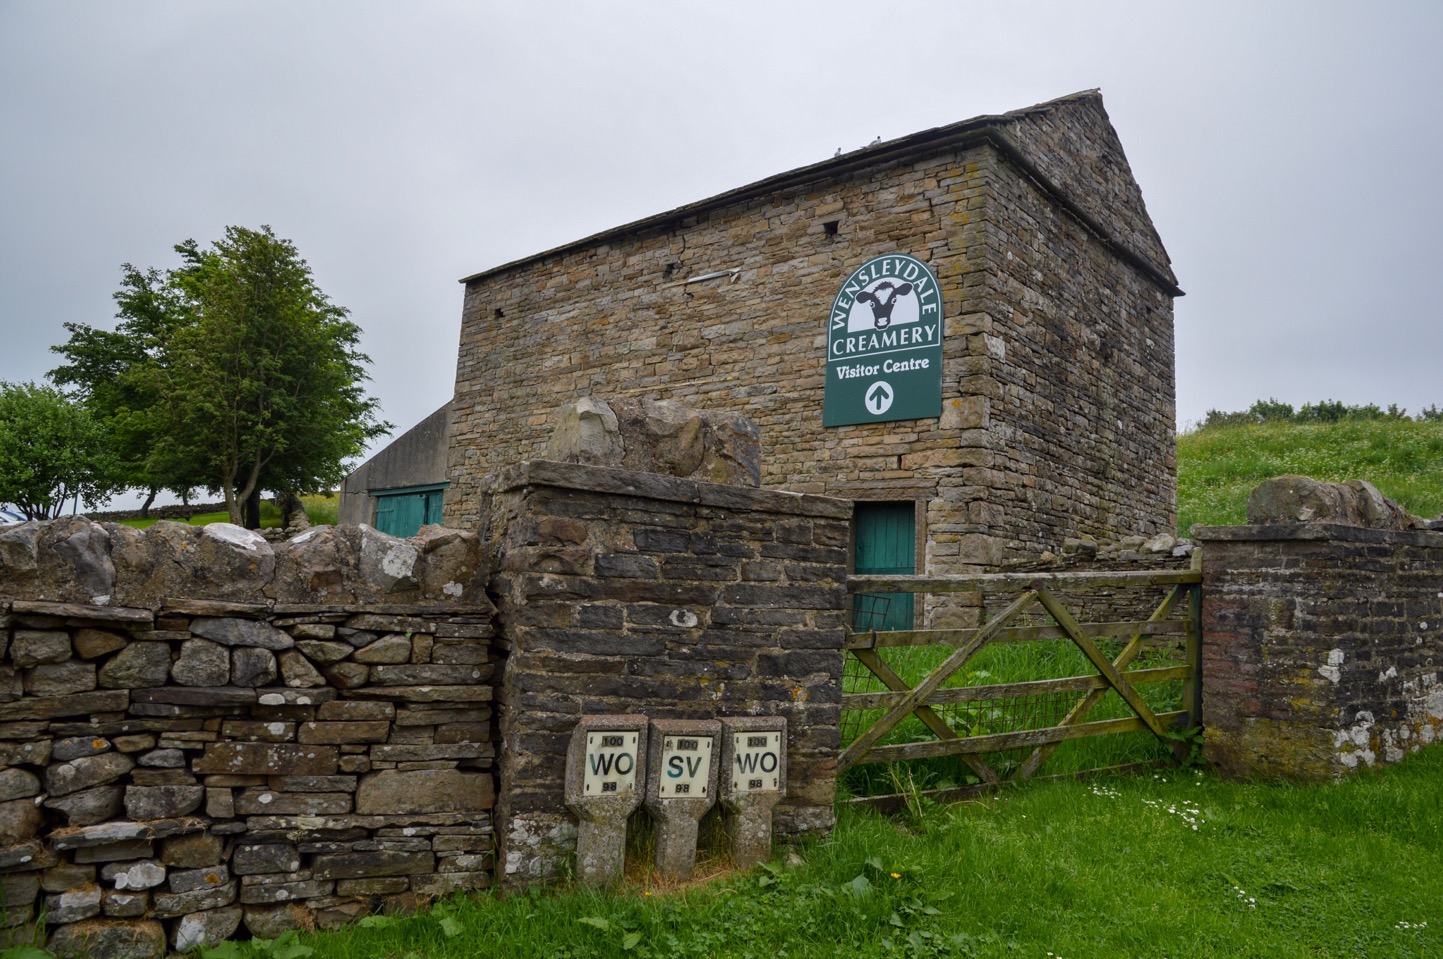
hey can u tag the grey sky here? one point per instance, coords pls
(1287, 153)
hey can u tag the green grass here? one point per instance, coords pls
(1219, 466)
(321, 508)
(1106, 868)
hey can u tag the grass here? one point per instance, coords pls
(1175, 863)
(1218, 466)
(1178, 864)
(322, 509)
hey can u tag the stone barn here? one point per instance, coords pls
(967, 331)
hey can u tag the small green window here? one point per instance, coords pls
(402, 512)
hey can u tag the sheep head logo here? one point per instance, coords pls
(882, 299)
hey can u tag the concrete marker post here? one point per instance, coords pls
(753, 781)
(684, 759)
(603, 788)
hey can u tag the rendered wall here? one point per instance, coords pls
(416, 458)
(1322, 647)
(1058, 381)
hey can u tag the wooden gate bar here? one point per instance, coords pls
(954, 695)
(1124, 659)
(992, 742)
(951, 664)
(936, 723)
(956, 584)
(875, 639)
(1067, 621)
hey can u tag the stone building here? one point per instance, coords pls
(1046, 410)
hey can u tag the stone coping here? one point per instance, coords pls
(606, 479)
(1317, 531)
(140, 616)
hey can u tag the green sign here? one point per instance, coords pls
(884, 344)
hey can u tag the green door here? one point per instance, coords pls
(886, 543)
(402, 512)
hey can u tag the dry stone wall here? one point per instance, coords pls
(188, 753)
(635, 593)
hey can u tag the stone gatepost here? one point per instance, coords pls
(753, 781)
(625, 593)
(681, 788)
(604, 780)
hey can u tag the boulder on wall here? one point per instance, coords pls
(76, 560)
(658, 436)
(1301, 499)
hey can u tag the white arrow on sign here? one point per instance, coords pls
(879, 397)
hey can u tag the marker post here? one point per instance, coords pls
(604, 787)
(682, 787)
(753, 781)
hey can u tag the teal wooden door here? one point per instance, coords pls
(886, 543)
(403, 512)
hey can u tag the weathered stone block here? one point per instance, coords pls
(201, 663)
(124, 905)
(269, 759)
(85, 772)
(208, 928)
(162, 802)
(170, 905)
(72, 906)
(35, 647)
(60, 679)
(94, 643)
(374, 731)
(259, 858)
(144, 874)
(189, 880)
(229, 631)
(267, 802)
(88, 807)
(137, 666)
(359, 865)
(388, 649)
(297, 671)
(252, 667)
(195, 851)
(392, 792)
(111, 938)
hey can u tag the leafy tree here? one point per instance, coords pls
(232, 372)
(116, 373)
(51, 450)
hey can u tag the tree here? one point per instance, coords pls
(51, 450)
(232, 372)
(116, 374)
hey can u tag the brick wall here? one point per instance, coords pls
(1322, 646)
(1058, 374)
(629, 592)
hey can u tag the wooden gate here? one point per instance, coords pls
(905, 700)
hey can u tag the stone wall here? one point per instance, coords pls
(1058, 412)
(1322, 647)
(201, 733)
(627, 592)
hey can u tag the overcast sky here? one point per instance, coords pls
(1288, 153)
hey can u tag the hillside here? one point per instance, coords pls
(1219, 465)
